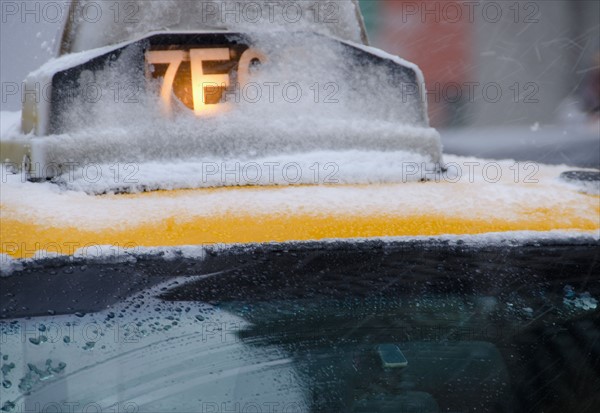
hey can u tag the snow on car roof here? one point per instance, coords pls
(503, 199)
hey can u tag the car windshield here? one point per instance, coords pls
(369, 328)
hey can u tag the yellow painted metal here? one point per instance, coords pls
(22, 238)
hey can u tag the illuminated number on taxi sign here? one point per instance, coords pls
(201, 83)
(173, 59)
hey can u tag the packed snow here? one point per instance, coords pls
(514, 186)
(339, 19)
(317, 168)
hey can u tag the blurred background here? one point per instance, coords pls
(497, 62)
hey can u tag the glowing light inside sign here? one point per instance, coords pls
(204, 87)
(202, 81)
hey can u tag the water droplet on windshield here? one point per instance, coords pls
(38, 340)
(89, 345)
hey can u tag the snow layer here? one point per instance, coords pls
(322, 167)
(334, 18)
(501, 190)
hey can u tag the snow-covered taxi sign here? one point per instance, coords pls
(189, 126)
(205, 72)
(168, 63)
